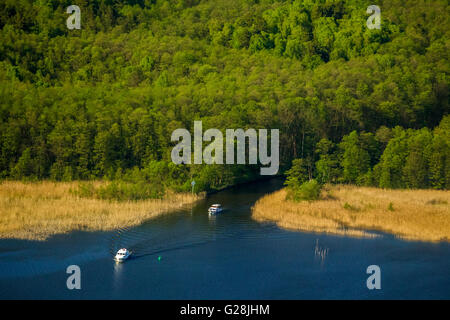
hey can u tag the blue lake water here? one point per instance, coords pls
(188, 255)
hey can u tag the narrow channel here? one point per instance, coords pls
(189, 255)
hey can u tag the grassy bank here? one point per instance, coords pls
(39, 210)
(410, 214)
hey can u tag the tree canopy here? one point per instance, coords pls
(358, 105)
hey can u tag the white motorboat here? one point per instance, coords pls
(215, 209)
(122, 255)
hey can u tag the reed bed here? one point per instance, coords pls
(36, 211)
(349, 210)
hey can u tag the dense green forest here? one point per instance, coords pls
(356, 105)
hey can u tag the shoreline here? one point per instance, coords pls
(39, 210)
(422, 215)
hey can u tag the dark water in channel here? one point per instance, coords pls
(187, 255)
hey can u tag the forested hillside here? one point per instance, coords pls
(358, 105)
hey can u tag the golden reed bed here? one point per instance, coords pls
(38, 210)
(348, 210)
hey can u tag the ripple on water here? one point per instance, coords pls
(185, 229)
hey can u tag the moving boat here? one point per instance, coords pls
(122, 255)
(215, 209)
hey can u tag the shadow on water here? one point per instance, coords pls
(226, 256)
(150, 240)
(144, 244)
(194, 227)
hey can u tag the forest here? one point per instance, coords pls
(353, 105)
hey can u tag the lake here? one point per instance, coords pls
(189, 255)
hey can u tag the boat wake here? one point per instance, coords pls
(144, 244)
(167, 234)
